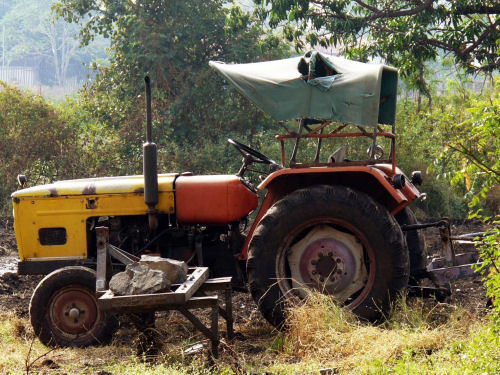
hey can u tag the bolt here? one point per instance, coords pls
(314, 272)
(74, 313)
(338, 260)
(314, 262)
(321, 279)
(330, 254)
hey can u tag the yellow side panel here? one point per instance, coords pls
(72, 212)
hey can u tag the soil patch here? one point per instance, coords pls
(16, 290)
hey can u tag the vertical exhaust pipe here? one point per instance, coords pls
(150, 169)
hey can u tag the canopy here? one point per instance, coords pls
(318, 86)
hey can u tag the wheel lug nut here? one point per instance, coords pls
(321, 279)
(330, 254)
(314, 272)
(314, 262)
(338, 260)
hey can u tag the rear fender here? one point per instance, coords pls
(373, 181)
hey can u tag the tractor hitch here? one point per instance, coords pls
(452, 266)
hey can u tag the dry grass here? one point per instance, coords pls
(322, 333)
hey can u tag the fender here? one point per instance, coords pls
(374, 180)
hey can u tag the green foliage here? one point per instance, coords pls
(473, 147)
(173, 41)
(48, 143)
(405, 33)
(490, 255)
(478, 354)
(472, 155)
(34, 141)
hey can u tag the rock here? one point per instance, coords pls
(175, 270)
(139, 279)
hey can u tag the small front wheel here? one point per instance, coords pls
(64, 311)
(331, 239)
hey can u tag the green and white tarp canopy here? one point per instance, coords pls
(329, 88)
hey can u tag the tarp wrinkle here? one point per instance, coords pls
(318, 86)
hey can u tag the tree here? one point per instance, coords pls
(173, 41)
(34, 37)
(405, 33)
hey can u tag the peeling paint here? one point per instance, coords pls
(89, 189)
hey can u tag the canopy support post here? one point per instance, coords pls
(318, 150)
(296, 147)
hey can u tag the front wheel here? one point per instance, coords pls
(64, 311)
(332, 239)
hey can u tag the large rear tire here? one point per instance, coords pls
(333, 239)
(416, 244)
(64, 311)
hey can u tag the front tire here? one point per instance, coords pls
(64, 311)
(332, 239)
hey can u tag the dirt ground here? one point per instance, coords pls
(15, 291)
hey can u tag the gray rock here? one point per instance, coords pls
(139, 279)
(175, 270)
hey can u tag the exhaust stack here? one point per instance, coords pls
(150, 169)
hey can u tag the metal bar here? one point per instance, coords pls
(220, 283)
(283, 156)
(468, 236)
(215, 330)
(297, 138)
(318, 149)
(149, 129)
(423, 225)
(446, 275)
(121, 255)
(157, 301)
(449, 251)
(193, 282)
(196, 322)
(341, 164)
(228, 305)
(102, 237)
(460, 259)
(334, 135)
(339, 128)
(374, 142)
(198, 249)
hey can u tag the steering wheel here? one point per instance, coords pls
(249, 156)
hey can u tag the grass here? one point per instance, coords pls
(420, 337)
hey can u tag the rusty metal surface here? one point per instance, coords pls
(179, 296)
(102, 277)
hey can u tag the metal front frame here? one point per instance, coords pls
(186, 296)
(317, 133)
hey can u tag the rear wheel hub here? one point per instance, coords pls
(328, 260)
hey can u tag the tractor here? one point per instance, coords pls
(332, 224)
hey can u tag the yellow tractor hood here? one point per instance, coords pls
(96, 186)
